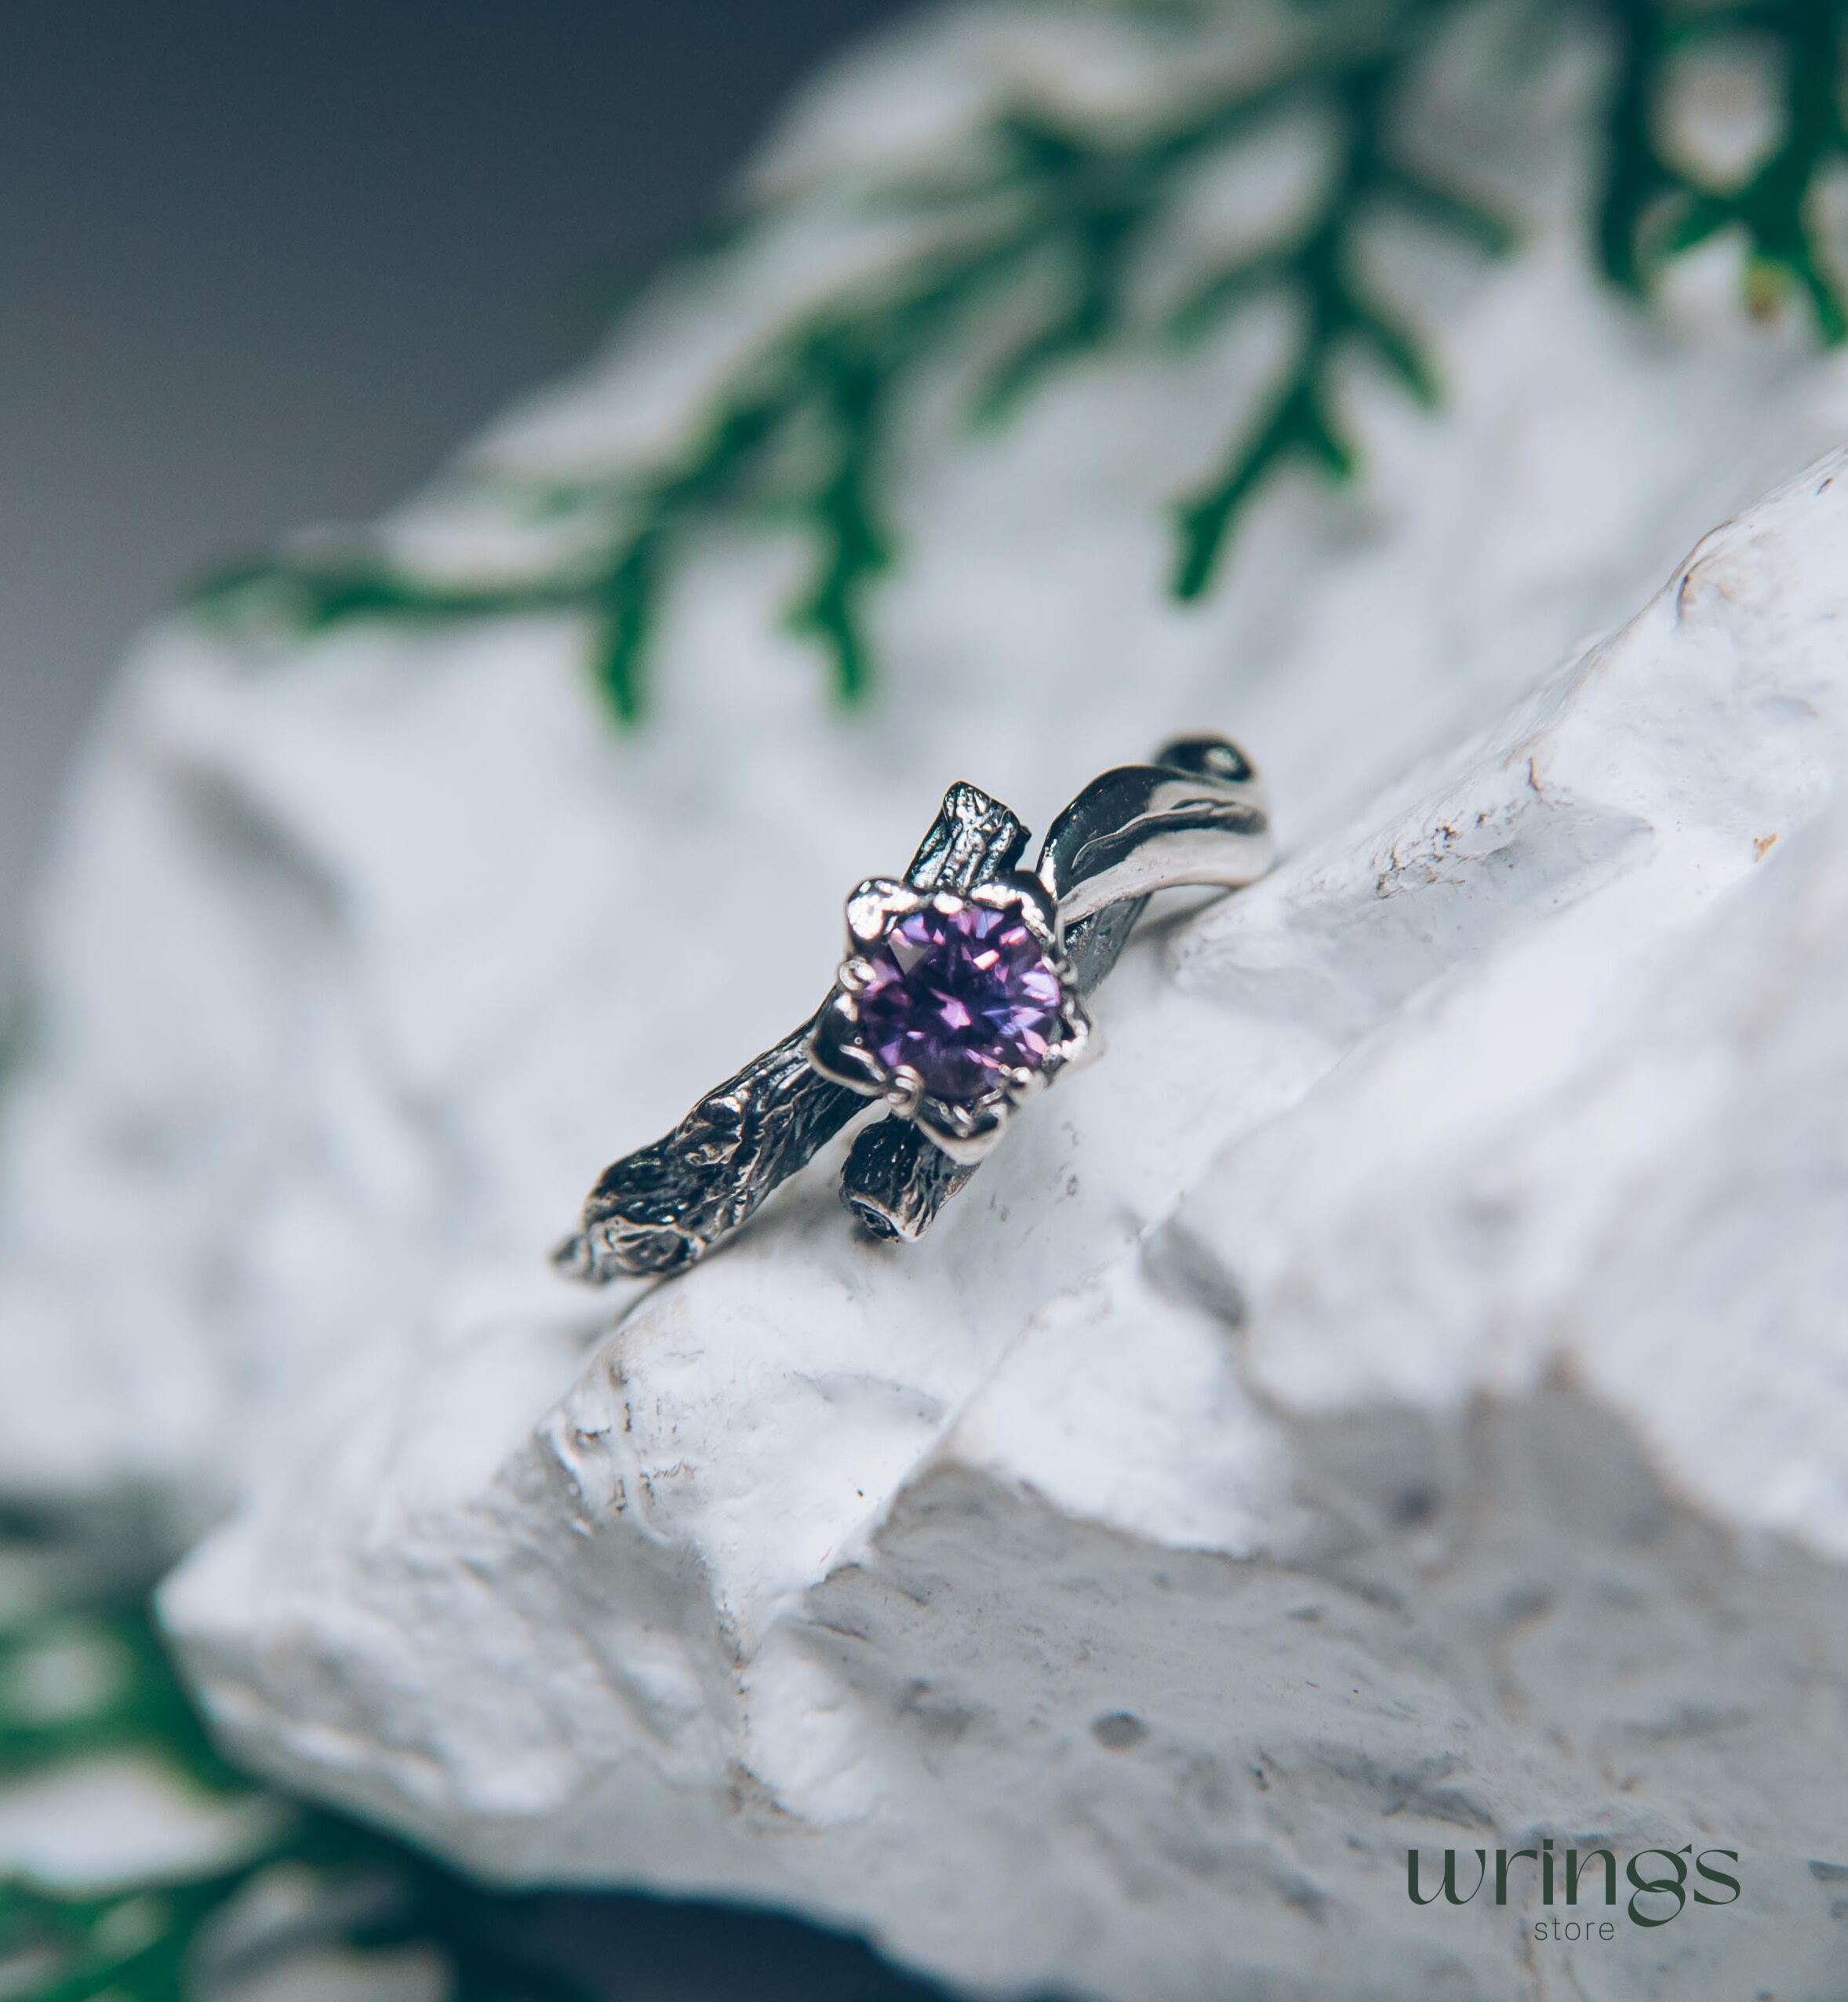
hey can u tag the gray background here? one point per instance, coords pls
(264, 262)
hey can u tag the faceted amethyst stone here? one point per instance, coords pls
(961, 998)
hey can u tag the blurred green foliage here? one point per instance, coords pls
(86, 1681)
(1063, 208)
(1653, 207)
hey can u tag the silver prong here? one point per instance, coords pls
(874, 904)
(1025, 901)
(966, 1133)
(1083, 1042)
(1022, 1083)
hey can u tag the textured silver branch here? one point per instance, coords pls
(1194, 814)
(663, 1207)
(973, 838)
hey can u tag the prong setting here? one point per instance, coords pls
(1024, 1083)
(954, 1008)
(873, 906)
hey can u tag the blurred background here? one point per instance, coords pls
(265, 266)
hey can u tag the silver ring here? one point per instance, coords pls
(960, 998)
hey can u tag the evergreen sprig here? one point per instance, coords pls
(1336, 311)
(1065, 208)
(1655, 207)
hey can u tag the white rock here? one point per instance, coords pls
(1398, 1396)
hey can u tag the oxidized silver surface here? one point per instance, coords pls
(1194, 814)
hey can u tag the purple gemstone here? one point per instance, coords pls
(961, 997)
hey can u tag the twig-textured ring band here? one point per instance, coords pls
(961, 996)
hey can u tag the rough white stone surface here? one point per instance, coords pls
(1399, 1395)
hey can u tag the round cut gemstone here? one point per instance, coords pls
(962, 997)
